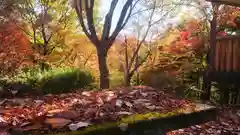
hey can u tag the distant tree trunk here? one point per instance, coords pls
(103, 68)
(127, 78)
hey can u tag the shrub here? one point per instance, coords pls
(55, 80)
(31, 76)
(66, 80)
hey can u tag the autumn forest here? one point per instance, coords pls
(126, 67)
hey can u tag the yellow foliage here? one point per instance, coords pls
(170, 36)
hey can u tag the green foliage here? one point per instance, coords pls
(2, 82)
(55, 80)
(137, 80)
(116, 79)
(30, 76)
(65, 80)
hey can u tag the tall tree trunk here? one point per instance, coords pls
(127, 78)
(103, 68)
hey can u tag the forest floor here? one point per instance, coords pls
(74, 111)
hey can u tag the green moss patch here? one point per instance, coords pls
(114, 127)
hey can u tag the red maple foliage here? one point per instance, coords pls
(188, 39)
(15, 47)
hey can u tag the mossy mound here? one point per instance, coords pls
(115, 128)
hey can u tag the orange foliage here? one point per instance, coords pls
(15, 48)
(227, 15)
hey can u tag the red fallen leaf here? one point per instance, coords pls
(39, 117)
(57, 122)
(32, 127)
(91, 112)
(67, 114)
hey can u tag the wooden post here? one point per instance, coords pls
(211, 62)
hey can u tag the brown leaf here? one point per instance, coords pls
(57, 122)
(32, 127)
(67, 114)
(91, 112)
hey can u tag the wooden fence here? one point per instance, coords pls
(227, 54)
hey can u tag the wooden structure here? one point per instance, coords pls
(224, 56)
(227, 54)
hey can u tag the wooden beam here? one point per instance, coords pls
(227, 2)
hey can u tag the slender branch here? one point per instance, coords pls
(108, 20)
(79, 10)
(139, 64)
(90, 20)
(87, 59)
(128, 6)
(129, 14)
(50, 37)
(139, 44)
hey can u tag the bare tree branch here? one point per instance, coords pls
(139, 44)
(108, 20)
(79, 10)
(90, 21)
(128, 7)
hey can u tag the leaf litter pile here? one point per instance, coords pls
(77, 110)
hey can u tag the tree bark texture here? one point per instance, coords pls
(103, 68)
